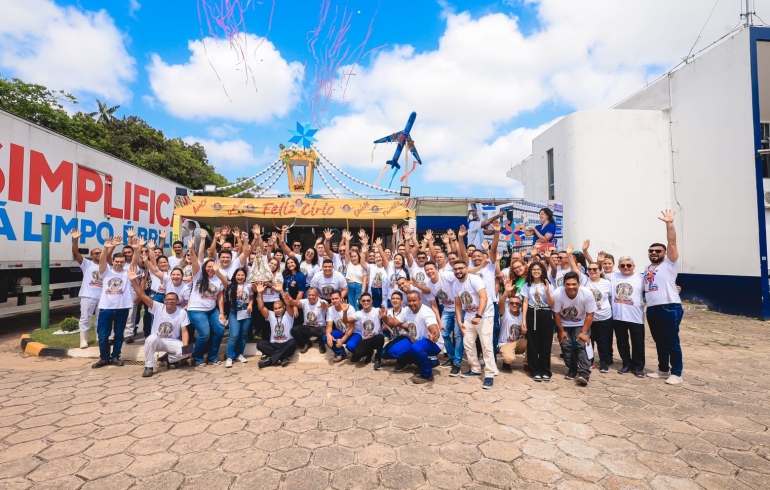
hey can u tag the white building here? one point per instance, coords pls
(689, 142)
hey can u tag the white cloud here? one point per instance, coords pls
(196, 89)
(133, 7)
(65, 48)
(222, 131)
(486, 72)
(149, 100)
(227, 155)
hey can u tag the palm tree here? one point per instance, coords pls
(104, 114)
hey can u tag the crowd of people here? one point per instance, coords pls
(406, 301)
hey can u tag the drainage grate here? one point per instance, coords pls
(133, 362)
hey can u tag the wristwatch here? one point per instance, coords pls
(478, 316)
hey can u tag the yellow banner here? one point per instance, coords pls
(299, 207)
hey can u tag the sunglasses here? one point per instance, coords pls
(626, 266)
(652, 251)
(365, 300)
(516, 303)
(593, 269)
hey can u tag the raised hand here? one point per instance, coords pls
(244, 236)
(394, 228)
(132, 275)
(485, 245)
(383, 311)
(445, 238)
(586, 244)
(256, 230)
(117, 240)
(225, 230)
(570, 249)
(496, 226)
(346, 235)
(131, 233)
(601, 256)
(204, 234)
(76, 234)
(217, 232)
(278, 285)
(236, 231)
(284, 229)
(191, 243)
(451, 234)
(222, 239)
(328, 233)
(462, 231)
(667, 216)
(260, 287)
(378, 242)
(364, 248)
(362, 234)
(215, 266)
(151, 244)
(508, 284)
(163, 234)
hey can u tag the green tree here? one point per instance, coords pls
(35, 103)
(105, 114)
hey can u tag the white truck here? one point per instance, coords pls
(45, 177)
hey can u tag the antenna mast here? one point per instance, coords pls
(748, 14)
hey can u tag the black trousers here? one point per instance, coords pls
(303, 333)
(539, 341)
(277, 350)
(633, 355)
(601, 333)
(574, 350)
(367, 347)
(259, 324)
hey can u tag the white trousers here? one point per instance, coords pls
(130, 324)
(153, 344)
(484, 331)
(88, 308)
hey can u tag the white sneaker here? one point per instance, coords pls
(242, 359)
(229, 363)
(658, 374)
(674, 380)
(84, 340)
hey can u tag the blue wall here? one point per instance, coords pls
(736, 295)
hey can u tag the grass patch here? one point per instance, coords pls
(70, 341)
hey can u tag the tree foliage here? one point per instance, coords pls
(129, 138)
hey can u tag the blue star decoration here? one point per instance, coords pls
(303, 135)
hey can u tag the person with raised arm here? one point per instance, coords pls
(280, 346)
(90, 287)
(169, 328)
(513, 340)
(664, 307)
(115, 303)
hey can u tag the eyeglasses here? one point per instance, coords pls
(626, 266)
(516, 303)
(654, 251)
(593, 269)
(365, 300)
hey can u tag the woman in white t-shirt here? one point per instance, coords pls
(206, 310)
(601, 328)
(538, 321)
(356, 274)
(239, 300)
(177, 285)
(308, 264)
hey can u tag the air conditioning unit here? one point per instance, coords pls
(767, 200)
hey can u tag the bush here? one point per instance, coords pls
(70, 324)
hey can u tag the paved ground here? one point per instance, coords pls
(63, 425)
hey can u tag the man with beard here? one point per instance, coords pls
(573, 311)
(664, 308)
(314, 324)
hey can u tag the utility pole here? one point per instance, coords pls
(748, 13)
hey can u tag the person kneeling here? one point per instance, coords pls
(422, 325)
(281, 345)
(368, 325)
(513, 338)
(169, 328)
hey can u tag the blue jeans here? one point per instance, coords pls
(208, 329)
(109, 321)
(421, 350)
(352, 342)
(238, 330)
(354, 294)
(664, 326)
(454, 349)
(496, 330)
(376, 297)
(338, 351)
(399, 348)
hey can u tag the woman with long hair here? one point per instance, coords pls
(357, 275)
(294, 281)
(309, 264)
(396, 269)
(206, 309)
(378, 274)
(240, 302)
(538, 321)
(517, 273)
(545, 231)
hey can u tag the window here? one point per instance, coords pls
(551, 189)
(765, 146)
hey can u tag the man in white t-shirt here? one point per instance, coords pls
(573, 312)
(314, 321)
(178, 257)
(90, 288)
(328, 281)
(169, 328)
(664, 308)
(628, 316)
(474, 312)
(115, 303)
(422, 326)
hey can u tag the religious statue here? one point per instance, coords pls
(260, 272)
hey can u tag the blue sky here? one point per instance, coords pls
(484, 76)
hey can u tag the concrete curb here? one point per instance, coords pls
(32, 348)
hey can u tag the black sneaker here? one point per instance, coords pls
(546, 378)
(100, 363)
(115, 361)
(368, 360)
(447, 364)
(322, 347)
(507, 367)
(284, 362)
(147, 372)
(581, 381)
(340, 358)
(400, 367)
(624, 370)
(377, 364)
(172, 365)
(455, 371)
(264, 363)
(603, 368)
(163, 358)
(639, 373)
(570, 376)
(304, 349)
(129, 340)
